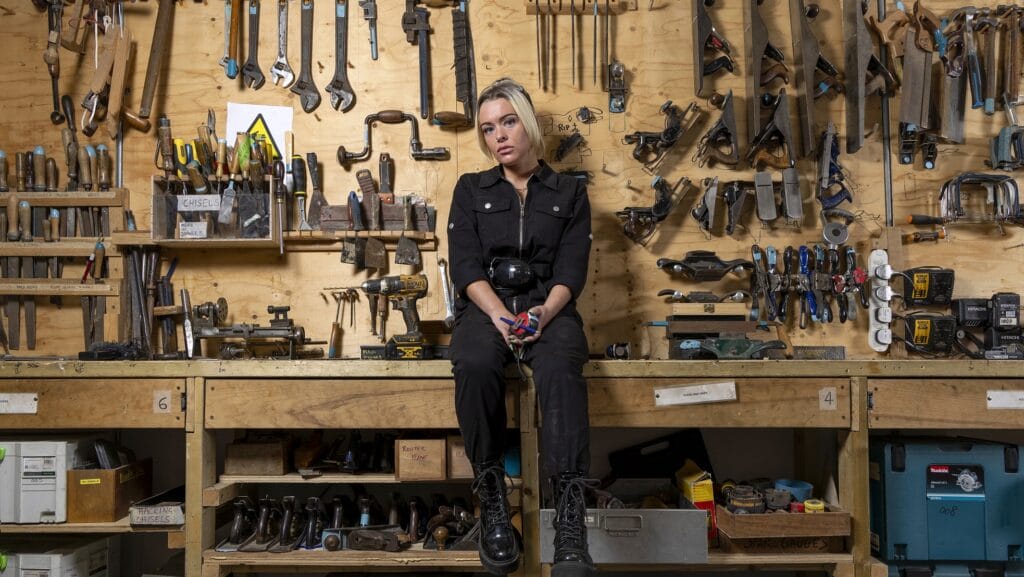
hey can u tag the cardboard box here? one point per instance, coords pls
(164, 510)
(698, 488)
(421, 460)
(260, 457)
(459, 466)
(104, 495)
(784, 532)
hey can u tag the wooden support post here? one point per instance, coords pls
(200, 472)
(529, 448)
(853, 477)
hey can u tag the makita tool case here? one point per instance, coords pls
(953, 500)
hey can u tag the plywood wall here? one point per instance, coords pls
(653, 40)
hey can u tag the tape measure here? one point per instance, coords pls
(814, 506)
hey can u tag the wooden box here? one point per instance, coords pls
(421, 460)
(105, 495)
(783, 532)
(459, 466)
(262, 457)
(192, 220)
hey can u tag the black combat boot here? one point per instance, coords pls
(571, 556)
(499, 541)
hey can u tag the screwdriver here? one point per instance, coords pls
(923, 236)
(279, 191)
(299, 189)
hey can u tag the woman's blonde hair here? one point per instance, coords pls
(521, 103)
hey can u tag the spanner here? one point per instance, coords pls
(280, 71)
(309, 96)
(252, 76)
(342, 96)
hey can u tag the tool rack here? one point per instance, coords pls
(115, 201)
(866, 395)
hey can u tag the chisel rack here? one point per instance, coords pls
(192, 220)
(55, 268)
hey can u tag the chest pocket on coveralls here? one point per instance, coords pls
(494, 221)
(551, 214)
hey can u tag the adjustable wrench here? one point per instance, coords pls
(309, 96)
(280, 71)
(252, 76)
(342, 96)
(370, 15)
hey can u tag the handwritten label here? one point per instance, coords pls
(198, 202)
(827, 399)
(695, 394)
(415, 452)
(192, 230)
(161, 401)
(1005, 399)
(157, 515)
(19, 403)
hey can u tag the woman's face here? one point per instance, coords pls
(504, 134)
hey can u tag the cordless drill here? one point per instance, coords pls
(402, 291)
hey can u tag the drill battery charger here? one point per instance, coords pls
(928, 285)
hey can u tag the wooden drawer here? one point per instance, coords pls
(95, 403)
(336, 404)
(942, 403)
(777, 402)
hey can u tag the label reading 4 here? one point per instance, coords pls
(827, 399)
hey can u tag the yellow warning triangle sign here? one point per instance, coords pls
(259, 130)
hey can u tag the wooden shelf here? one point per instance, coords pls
(442, 369)
(295, 236)
(330, 241)
(133, 238)
(718, 560)
(112, 197)
(41, 248)
(298, 560)
(121, 526)
(458, 560)
(58, 287)
(229, 486)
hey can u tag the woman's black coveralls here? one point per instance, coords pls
(551, 231)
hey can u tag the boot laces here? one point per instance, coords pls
(489, 486)
(570, 513)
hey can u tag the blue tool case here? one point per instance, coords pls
(947, 500)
